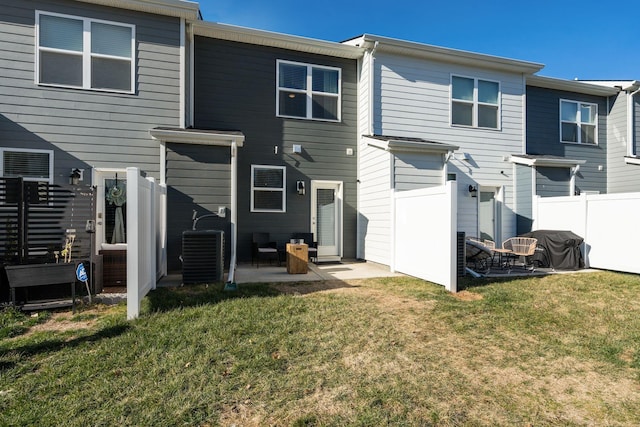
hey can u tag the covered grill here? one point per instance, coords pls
(557, 249)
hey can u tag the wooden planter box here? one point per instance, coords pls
(25, 276)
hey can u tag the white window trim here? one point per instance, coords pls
(28, 150)
(309, 91)
(284, 186)
(578, 122)
(86, 53)
(475, 103)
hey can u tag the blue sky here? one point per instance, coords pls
(584, 39)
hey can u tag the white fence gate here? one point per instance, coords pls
(607, 222)
(146, 237)
(424, 240)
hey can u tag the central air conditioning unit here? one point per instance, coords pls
(202, 256)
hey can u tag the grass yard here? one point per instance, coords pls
(560, 350)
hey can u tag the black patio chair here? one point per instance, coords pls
(262, 247)
(313, 245)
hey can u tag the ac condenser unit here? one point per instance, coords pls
(202, 256)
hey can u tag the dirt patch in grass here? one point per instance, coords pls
(61, 322)
(467, 296)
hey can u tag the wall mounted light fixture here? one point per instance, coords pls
(473, 190)
(76, 176)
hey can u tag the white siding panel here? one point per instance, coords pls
(415, 102)
(621, 177)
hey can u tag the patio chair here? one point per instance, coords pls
(263, 247)
(478, 255)
(313, 245)
(523, 247)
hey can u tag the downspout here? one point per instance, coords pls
(630, 125)
(231, 285)
(183, 73)
(192, 77)
(371, 83)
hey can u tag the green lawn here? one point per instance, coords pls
(558, 350)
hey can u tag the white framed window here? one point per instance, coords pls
(268, 185)
(30, 164)
(475, 102)
(84, 53)
(578, 122)
(308, 91)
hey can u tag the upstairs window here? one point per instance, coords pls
(32, 165)
(475, 102)
(267, 188)
(578, 122)
(308, 91)
(84, 53)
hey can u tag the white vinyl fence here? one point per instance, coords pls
(146, 238)
(607, 222)
(425, 234)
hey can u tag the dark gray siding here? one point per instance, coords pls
(235, 89)
(415, 170)
(552, 182)
(198, 179)
(524, 198)
(543, 135)
(87, 128)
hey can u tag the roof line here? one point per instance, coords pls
(176, 8)
(445, 54)
(273, 39)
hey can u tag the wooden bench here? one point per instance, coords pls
(24, 276)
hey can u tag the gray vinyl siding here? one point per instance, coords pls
(235, 88)
(198, 178)
(552, 181)
(413, 171)
(524, 198)
(87, 128)
(543, 135)
(622, 177)
(412, 98)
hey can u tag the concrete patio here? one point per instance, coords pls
(345, 270)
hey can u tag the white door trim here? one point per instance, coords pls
(338, 185)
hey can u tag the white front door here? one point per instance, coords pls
(326, 218)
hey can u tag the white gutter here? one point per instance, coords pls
(234, 212)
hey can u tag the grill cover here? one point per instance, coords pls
(557, 249)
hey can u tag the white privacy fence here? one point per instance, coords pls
(607, 222)
(425, 234)
(146, 238)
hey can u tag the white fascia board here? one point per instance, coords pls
(546, 162)
(195, 137)
(443, 54)
(177, 8)
(393, 145)
(627, 85)
(279, 40)
(572, 86)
